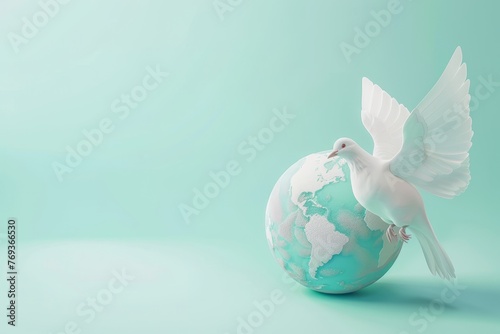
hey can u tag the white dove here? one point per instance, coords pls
(427, 148)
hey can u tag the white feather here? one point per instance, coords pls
(437, 136)
(384, 118)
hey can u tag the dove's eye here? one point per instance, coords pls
(343, 145)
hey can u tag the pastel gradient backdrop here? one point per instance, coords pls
(229, 73)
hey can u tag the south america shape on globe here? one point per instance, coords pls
(320, 235)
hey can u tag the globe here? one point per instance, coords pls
(320, 235)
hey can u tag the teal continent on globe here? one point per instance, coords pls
(320, 235)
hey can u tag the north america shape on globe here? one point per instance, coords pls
(320, 235)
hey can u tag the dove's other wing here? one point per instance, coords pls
(384, 118)
(437, 136)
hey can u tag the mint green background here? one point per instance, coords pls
(120, 207)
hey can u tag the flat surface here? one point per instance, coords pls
(158, 97)
(206, 288)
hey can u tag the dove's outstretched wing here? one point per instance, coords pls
(384, 118)
(437, 136)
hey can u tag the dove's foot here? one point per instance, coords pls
(390, 234)
(403, 235)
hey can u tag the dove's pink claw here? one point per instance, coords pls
(403, 235)
(390, 234)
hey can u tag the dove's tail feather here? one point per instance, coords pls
(438, 261)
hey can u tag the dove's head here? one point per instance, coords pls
(344, 148)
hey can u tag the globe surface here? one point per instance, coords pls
(320, 235)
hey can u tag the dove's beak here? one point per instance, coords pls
(333, 154)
